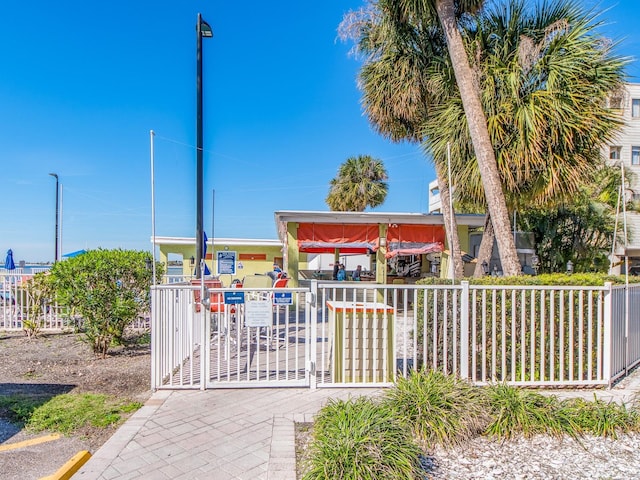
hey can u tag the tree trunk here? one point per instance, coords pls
(486, 248)
(451, 226)
(482, 146)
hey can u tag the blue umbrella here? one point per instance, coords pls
(8, 263)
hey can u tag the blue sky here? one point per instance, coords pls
(83, 83)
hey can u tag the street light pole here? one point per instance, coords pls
(56, 257)
(202, 30)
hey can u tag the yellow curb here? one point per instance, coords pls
(28, 443)
(66, 471)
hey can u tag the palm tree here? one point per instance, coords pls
(360, 183)
(394, 83)
(545, 75)
(412, 18)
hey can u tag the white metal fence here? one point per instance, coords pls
(365, 334)
(248, 337)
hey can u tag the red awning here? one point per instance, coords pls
(414, 239)
(326, 238)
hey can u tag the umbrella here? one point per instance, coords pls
(8, 263)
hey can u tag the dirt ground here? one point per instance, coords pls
(55, 363)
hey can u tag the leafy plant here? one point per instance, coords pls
(360, 439)
(440, 409)
(108, 288)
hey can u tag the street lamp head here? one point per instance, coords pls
(204, 28)
(54, 175)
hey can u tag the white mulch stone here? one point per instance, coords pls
(541, 457)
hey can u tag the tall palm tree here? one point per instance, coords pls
(394, 84)
(360, 183)
(412, 18)
(545, 75)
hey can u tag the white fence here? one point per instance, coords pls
(19, 310)
(364, 334)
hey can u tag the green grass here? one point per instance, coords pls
(360, 440)
(602, 419)
(68, 412)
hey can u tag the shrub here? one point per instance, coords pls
(440, 409)
(360, 439)
(108, 288)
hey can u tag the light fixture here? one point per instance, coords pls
(192, 261)
(569, 267)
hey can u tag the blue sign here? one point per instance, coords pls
(226, 262)
(283, 298)
(231, 298)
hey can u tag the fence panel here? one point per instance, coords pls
(537, 335)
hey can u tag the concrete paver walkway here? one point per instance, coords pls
(213, 434)
(236, 433)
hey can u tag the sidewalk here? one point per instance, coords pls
(213, 434)
(236, 433)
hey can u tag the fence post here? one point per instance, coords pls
(312, 311)
(155, 332)
(607, 332)
(464, 330)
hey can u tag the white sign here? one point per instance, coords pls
(258, 313)
(226, 263)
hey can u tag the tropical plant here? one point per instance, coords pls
(447, 14)
(580, 230)
(361, 439)
(360, 183)
(107, 288)
(441, 409)
(545, 76)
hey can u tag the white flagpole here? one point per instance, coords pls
(153, 208)
(60, 243)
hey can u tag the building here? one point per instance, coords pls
(625, 151)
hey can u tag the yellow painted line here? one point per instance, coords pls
(66, 471)
(28, 443)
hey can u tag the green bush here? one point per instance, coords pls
(107, 288)
(360, 439)
(440, 409)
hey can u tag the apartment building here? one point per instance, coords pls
(625, 150)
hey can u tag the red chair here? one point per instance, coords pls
(281, 283)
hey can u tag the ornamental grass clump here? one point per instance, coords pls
(602, 419)
(360, 439)
(439, 409)
(516, 411)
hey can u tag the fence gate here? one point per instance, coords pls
(237, 337)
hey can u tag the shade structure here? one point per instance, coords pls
(74, 254)
(8, 262)
(327, 238)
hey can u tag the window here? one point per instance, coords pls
(635, 108)
(614, 153)
(635, 155)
